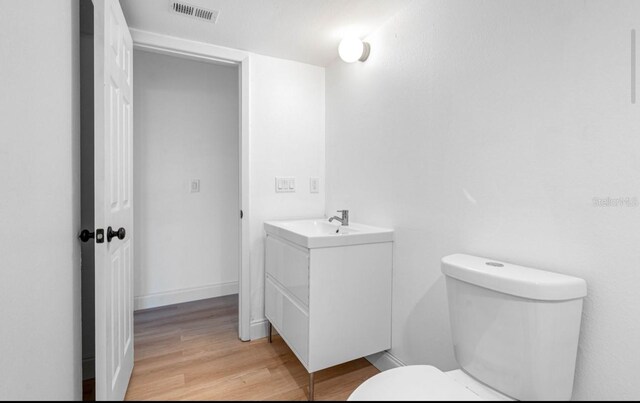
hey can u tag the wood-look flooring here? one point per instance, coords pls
(191, 351)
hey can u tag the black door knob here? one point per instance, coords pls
(85, 235)
(120, 234)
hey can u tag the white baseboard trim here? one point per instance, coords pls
(185, 295)
(88, 368)
(259, 329)
(385, 361)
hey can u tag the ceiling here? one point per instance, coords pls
(307, 31)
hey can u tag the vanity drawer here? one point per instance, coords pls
(288, 265)
(291, 321)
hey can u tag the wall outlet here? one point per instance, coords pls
(314, 185)
(195, 186)
(285, 184)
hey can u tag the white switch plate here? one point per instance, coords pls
(314, 185)
(285, 184)
(195, 186)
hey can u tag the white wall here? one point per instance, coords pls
(39, 208)
(487, 128)
(287, 139)
(186, 125)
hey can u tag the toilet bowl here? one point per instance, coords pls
(515, 336)
(424, 382)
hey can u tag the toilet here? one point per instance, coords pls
(515, 335)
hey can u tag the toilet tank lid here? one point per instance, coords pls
(512, 279)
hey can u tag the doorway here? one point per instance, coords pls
(235, 183)
(186, 180)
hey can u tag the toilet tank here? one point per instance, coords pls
(514, 328)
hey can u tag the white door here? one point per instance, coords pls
(113, 50)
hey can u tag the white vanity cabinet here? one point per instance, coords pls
(331, 304)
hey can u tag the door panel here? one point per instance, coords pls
(113, 199)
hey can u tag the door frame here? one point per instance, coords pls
(183, 48)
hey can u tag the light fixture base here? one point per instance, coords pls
(366, 49)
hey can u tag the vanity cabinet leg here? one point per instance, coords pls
(311, 386)
(270, 331)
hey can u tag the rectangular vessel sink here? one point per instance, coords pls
(320, 233)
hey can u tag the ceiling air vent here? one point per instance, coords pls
(189, 10)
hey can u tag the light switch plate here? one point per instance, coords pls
(195, 186)
(314, 185)
(285, 184)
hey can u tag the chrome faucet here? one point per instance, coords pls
(345, 217)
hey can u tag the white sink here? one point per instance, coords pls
(320, 233)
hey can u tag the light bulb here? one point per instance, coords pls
(352, 49)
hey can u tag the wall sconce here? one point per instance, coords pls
(352, 49)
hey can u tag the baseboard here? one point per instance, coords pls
(385, 361)
(259, 329)
(185, 295)
(88, 368)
